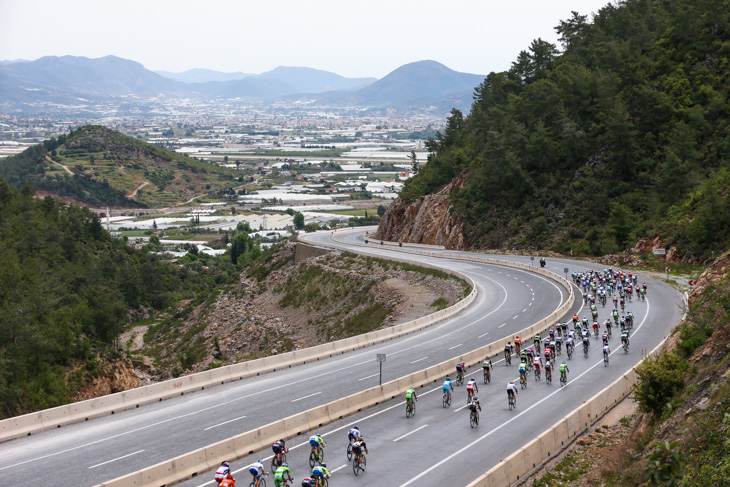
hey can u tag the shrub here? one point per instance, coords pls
(659, 379)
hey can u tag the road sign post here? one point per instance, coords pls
(566, 273)
(667, 270)
(532, 259)
(380, 358)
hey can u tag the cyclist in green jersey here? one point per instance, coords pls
(564, 370)
(411, 395)
(523, 370)
(280, 473)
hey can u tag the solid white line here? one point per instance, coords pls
(401, 437)
(338, 468)
(225, 422)
(424, 358)
(370, 376)
(483, 334)
(311, 395)
(110, 461)
(489, 433)
(456, 346)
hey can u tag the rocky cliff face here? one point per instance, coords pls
(426, 221)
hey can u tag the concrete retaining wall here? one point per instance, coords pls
(304, 252)
(260, 438)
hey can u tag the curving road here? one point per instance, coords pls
(438, 447)
(105, 448)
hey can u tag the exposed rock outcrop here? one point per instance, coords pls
(429, 220)
(119, 376)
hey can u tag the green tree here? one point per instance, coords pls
(298, 221)
(664, 465)
(621, 224)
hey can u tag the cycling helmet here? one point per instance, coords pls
(324, 465)
(512, 382)
(475, 398)
(258, 461)
(448, 378)
(225, 464)
(284, 465)
(356, 428)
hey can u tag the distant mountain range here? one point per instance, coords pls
(80, 80)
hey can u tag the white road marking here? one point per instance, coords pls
(483, 334)
(455, 346)
(401, 437)
(110, 461)
(338, 468)
(311, 395)
(370, 376)
(500, 326)
(221, 424)
(515, 317)
(424, 358)
(529, 304)
(524, 310)
(489, 433)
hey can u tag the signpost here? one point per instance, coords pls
(380, 358)
(660, 251)
(566, 273)
(692, 283)
(532, 259)
(667, 271)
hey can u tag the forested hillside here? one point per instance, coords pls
(66, 291)
(622, 135)
(101, 167)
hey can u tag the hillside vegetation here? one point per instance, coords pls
(67, 289)
(107, 167)
(623, 135)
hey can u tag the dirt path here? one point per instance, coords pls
(133, 194)
(65, 168)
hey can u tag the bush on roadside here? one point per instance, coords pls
(660, 378)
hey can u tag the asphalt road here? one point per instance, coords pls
(438, 446)
(105, 448)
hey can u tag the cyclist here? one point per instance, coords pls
(279, 479)
(630, 319)
(524, 355)
(460, 371)
(318, 444)
(410, 397)
(222, 472)
(643, 286)
(447, 387)
(257, 470)
(536, 363)
(605, 338)
(518, 343)
(473, 405)
(530, 355)
(596, 326)
(625, 338)
(511, 390)
(308, 481)
(552, 334)
(564, 370)
(548, 369)
(523, 371)
(354, 433)
(471, 388)
(508, 351)
(320, 471)
(228, 481)
(559, 343)
(487, 364)
(615, 301)
(586, 343)
(278, 448)
(548, 354)
(606, 350)
(357, 450)
(575, 319)
(569, 344)
(609, 325)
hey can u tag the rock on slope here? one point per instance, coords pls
(429, 220)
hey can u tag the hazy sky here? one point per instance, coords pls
(351, 38)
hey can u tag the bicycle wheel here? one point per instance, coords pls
(537, 375)
(445, 402)
(548, 379)
(355, 467)
(472, 419)
(349, 447)
(312, 459)
(274, 463)
(510, 403)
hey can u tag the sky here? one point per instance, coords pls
(350, 38)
